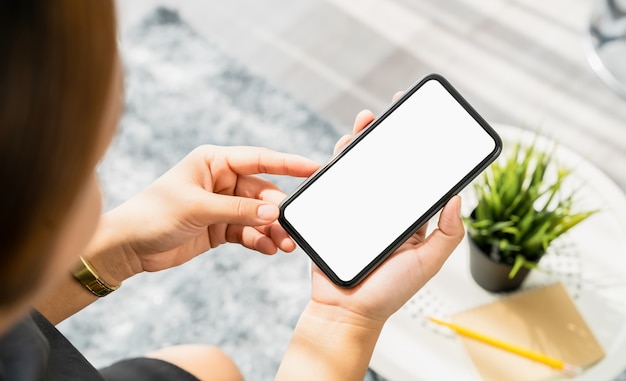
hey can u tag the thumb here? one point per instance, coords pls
(443, 240)
(450, 222)
(218, 208)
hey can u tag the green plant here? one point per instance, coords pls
(520, 209)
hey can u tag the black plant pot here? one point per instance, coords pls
(491, 275)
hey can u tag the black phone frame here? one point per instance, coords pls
(393, 246)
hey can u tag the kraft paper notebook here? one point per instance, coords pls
(543, 319)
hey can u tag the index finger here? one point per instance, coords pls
(253, 160)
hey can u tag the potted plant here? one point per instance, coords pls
(521, 210)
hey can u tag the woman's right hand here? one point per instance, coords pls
(211, 197)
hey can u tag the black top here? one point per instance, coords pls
(35, 350)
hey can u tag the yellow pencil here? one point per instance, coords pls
(569, 369)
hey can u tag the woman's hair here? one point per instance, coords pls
(56, 69)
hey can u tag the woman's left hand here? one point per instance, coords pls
(389, 286)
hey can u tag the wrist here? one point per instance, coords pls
(333, 329)
(330, 343)
(342, 318)
(331, 326)
(108, 254)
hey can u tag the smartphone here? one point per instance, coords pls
(389, 180)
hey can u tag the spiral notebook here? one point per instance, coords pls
(544, 319)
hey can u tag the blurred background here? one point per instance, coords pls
(518, 62)
(291, 75)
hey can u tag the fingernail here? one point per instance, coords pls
(267, 212)
(458, 205)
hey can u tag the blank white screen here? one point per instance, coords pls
(391, 178)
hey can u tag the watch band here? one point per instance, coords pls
(88, 277)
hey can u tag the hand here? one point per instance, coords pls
(337, 332)
(211, 197)
(393, 283)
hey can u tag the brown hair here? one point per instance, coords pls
(57, 65)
